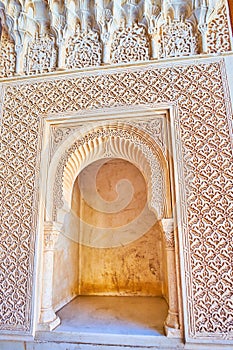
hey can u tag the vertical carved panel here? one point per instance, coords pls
(218, 33)
(18, 204)
(7, 56)
(208, 181)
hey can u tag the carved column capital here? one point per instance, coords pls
(52, 230)
(168, 228)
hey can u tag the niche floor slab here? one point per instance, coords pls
(114, 315)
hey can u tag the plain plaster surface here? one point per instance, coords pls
(119, 315)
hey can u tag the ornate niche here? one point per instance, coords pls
(142, 143)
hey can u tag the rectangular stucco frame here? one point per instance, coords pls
(27, 101)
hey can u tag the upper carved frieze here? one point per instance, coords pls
(39, 36)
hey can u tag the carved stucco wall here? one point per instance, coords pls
(205, 178)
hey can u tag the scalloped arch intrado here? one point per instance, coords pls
(112, 140)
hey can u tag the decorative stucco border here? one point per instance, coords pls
(194, 87)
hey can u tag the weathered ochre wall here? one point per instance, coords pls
(131, 270)
(135, 268)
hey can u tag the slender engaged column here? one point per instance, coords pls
(48, 319)
(172, 327)
(106, 52)
(203, 28)
(19, 59)
(154, 45)
(61, 55)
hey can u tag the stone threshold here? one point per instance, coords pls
(109, 340)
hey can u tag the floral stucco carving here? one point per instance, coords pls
(51, 35)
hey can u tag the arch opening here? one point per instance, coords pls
(113, 246)
(108, 234)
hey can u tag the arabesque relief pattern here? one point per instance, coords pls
(177, 39)
(41, 56)
(218, 43)
(7, 56)
(130, 44)
(206, 188)
(83, 50)
(154, 127)
(19, 150)
(57, 35)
